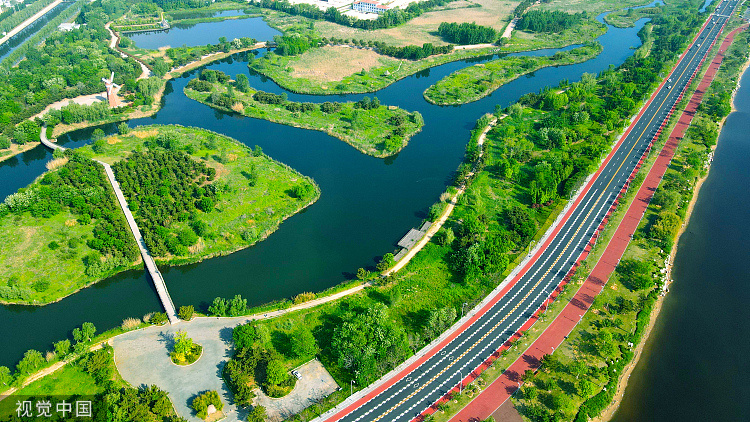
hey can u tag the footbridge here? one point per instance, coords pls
(148, 260)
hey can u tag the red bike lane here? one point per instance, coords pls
(495, 394)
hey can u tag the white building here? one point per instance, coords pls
(68, 26)
(369, 6)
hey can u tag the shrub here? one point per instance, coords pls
(129, 324)
(186, 312)
(303, 297)
(62, 348)
(200, 403)
(159, 318)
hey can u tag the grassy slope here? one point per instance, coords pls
(475, 82)
(255, 211)
(368, 137)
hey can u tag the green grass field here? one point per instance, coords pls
(475, 82)
(367, 130)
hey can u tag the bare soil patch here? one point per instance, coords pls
(494, 13)
(334, 63)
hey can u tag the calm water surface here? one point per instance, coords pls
(367, 204)
(9, 46)
(205, 33)
(695, 363)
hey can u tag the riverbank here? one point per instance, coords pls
(29, 21)
(478, 81)
(611, 410)
(264, 194)
(373, 129)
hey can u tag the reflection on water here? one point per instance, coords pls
(694, 365)
(367, 204)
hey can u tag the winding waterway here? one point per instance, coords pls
(694, 366)
(367, 204)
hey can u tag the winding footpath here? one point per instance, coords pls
(156, 277)
(496, 394)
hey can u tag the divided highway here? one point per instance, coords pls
(410, 392)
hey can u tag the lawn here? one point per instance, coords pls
(28, 264)
(255, 189)
(475, 82)
(370, 131)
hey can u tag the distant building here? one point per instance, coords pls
(369, 6)
(68, 26)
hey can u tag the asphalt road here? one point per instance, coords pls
(414, 391)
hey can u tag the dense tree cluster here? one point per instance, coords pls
(81, 186)
(184, 55)
(164, 186)
(66, 65)
(411, 52)
(466, 33)
(368, 343)
(392, 17)
(548, 21)
(256, 362)
(291, 45)
(478, 252)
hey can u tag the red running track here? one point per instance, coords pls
(492, 397)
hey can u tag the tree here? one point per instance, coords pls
(276, 372)
(368, 343)
(237, 306)
(362, 273)
(578, 368)
(182, 343)
(386, 262)
(666, 226)
(666, 199)
(5, 377)
(218, 307)
(447, 237)
(85, 333)
(242, 82)
(123, 128)
(186, 312)
(586, 388)
(32, 360)
(62, 348)
(258, 414)
(439, 321)
(303, 343)
(98, 146)
(200, 403)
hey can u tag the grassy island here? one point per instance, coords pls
(65, 231)
(218, 196)
(478, 81)
(372, 128)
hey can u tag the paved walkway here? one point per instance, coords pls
(446, 212)
(29, 21)
(315, 383)
(490, 400)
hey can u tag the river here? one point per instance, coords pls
(694, 363)
(17, 40)
(367, 204)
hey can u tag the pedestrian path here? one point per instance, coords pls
(148, 260)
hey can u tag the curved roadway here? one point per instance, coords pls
(411, 391)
